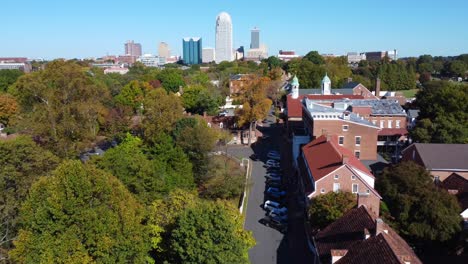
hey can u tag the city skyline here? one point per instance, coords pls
(51, 29)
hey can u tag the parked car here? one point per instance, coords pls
(275, 192)
(273, 177)
(270, 162)
(273, 205)
(254, 157)
(276, 184)
(282, 217)
(275, 155)
(274, 223)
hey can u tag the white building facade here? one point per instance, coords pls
(208, 55)
(224, 51)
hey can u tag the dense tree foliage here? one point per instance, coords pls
(422, 212)
(61, 106)
(326, 208)
(198, 99)
(314, 57)
(8, 109)
(21, 163)
(95, 219)
(133, 94)
(309, 74)
(443, 116)
(147, 176)
(7, 78)
(255, 104)
(210, 233)
(171, 79)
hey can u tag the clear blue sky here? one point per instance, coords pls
(92, 28)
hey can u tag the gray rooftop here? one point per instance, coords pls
(412, 113)
(443, 156)
(380, 107)
(350, 85)
(333, 113)
(236, 77)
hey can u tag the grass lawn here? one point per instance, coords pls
(410, 93)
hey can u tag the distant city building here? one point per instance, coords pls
(375, 55)
(163, 50)
(392, 54)
(287, 55)
(258, 54)
(224, 50)
(149, 60)
(116, 69)
(355, 58)
(14, 59)
(240, 53)
(329, 55)
(132, 48)
(255, 38)
(192, 50)
(126, 59)
(208, 55)
(22, 66)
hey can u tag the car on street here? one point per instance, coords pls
(273, 205)
(274, 223)
(280, 216)
(272, 162)
(273, 177)
(276, 184)
(275, 192)
(275, 155)
(273, 165)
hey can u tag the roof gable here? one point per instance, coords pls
(325, 156)
(454, 156)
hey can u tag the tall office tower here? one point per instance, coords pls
(224, 51)
(208, 55)
(192, 49)
(133, 49)
(255, 38)
(163, 50)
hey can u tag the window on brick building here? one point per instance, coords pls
(381, 124)
(389, 123)
(358, 140)
(336, 187)
(355, 188)
(322, 190)
(397, 125)
(345, 127)
(357, 154)
(353, 177)
(337, 176)
(341, 140)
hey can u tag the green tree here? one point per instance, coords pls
(310, 75)
(21, 163)
(62, 106)
(197, 99)
(194, 136)
(210, 233)
(7, 78)
(161, 112)
(422, 211)
(171, 79)
(255, 104)
(133, 94)
(273, 62)
(81, 215)
(8, 109)
(443, 116)
(458, 68)
(326, 208)
(314, 57)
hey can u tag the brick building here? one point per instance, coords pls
(325, 166)
(441, 160)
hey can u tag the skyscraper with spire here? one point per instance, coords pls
(223, 47)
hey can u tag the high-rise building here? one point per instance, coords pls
(149, 60)
(224, 51)
(192, 50)
(164, 50)
(208, 55)
(132, 48)
(255, 38)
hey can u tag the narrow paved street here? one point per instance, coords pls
(273, 246)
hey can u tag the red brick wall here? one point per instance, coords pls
(361, 90)
(345, 180)
(368, 146)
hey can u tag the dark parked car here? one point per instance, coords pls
(275, 223)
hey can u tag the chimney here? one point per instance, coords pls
(349, 79)
(365, 199)
(204, 114)
(380, 226)
(337, 254)
(377, 87)
(345, 159)
(328, 137)
(367, 234)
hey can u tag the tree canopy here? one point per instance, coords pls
(21, 163)
(62, 106)
(326, 208)
(8, 108)
(95, 219)
(7, 78)
(443, 115)
(422, 212)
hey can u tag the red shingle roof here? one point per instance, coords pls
(294, 106)
(348, 232)
(323, 157)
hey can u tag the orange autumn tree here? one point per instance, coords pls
(8, 108)
(255, 103)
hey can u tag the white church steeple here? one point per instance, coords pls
(326, 85)
(295, 88)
